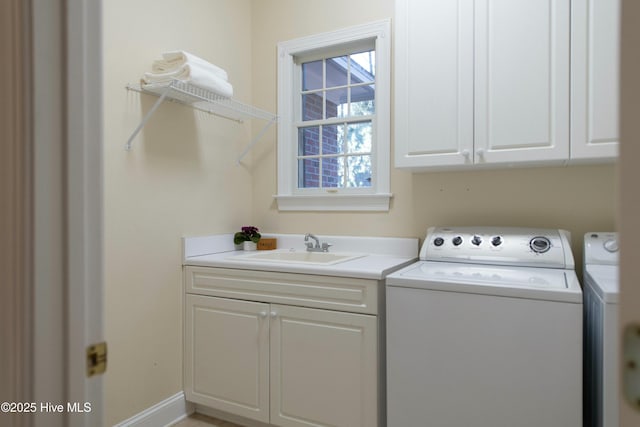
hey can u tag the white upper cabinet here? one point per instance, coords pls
(521, 91)
(433, 83)
(595, 55)
(491, 82)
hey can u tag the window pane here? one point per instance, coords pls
(337, 71)
(359, 171)
(359, 137)
(312, 106)
(312, 75)
(363, 67)
(309, 141)
(336, 105)
(309, 173)
(333, 172)
(332, 139)
(362, 100)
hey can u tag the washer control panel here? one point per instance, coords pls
(533, 247)
(601, 248)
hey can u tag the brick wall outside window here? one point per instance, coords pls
(330, 166)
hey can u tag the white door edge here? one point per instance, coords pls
(84, 204)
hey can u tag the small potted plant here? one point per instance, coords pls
(248, 237)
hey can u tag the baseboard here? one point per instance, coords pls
(165, 413)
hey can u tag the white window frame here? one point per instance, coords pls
(377, 196)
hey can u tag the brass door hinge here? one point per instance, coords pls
(96, 359)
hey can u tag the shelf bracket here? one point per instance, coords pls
(203, 100)
(147, 117)
(256, 139)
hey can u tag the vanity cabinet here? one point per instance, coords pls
(481, 82)
(281, 348)
(595, 58)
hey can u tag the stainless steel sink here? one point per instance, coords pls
(301, 257)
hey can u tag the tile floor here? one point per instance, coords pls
(198, 420)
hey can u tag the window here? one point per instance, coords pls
(333, 129)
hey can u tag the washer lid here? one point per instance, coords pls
(520, 282)
(604, 280)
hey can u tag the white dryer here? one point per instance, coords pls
(601, 329)
(486, 331)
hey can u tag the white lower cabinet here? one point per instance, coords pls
(323, 368)
(281, 364)
(227, 355)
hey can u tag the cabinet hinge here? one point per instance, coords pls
(96, 359)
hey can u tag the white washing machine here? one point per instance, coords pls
(601, 329)
(486, 331)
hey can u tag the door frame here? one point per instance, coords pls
(53, 205)
(16, 207)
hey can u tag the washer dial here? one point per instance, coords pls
(611, 245)
(540, 244)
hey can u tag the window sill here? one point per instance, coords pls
(335, 202)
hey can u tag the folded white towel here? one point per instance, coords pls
(173, 61)
(194, 74)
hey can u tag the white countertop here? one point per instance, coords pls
(383, 255)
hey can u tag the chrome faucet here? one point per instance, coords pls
(324, 247)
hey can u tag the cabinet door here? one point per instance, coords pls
(595, 57)
(522, 81)
(433, 83)
(323, 368)
(227, 355)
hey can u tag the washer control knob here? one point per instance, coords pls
(611, 245)
(540, 244)
(476, 240)
(438, 241)
(496, 241)
(457, 241)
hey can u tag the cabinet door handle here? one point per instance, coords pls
(263, 314)
(465, 152)
(480, 152)
(274, 314)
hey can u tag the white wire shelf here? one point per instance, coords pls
(203, 100)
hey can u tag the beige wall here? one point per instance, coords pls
(179, 179)
(579, 199)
